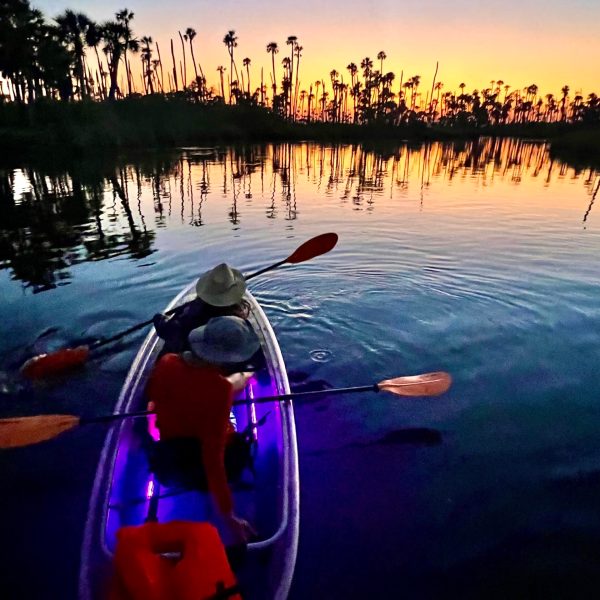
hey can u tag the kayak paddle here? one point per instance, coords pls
(24, 431)
(45, 365)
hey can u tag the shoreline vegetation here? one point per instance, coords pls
(69, 85)
(161, 122)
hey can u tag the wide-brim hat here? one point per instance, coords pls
(224, 340)
(221, 286)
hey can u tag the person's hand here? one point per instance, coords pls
(159, 320)
(240, 528)
(239, 380)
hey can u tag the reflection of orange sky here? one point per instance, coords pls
(489, 180)
(500, 177)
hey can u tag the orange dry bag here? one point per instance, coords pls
(198, 571)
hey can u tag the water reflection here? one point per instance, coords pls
(52, 218)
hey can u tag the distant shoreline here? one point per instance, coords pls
(29, 131)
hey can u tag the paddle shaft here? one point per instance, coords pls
(132, 329)
(293, 396)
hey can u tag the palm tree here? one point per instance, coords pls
(565, 93)
(73, 28)
(246, 63)
(147, 62)
(273, 49)
(93, 37)
(381, 56)
(366, 64)
(189, 35)
(184, 69)
(221, 70)
(117, 40)
(416, 80)
(230, 40)
(298, 52)
(124, 17)
(292, 41)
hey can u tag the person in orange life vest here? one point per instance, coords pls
(219, 292)
(192, 397)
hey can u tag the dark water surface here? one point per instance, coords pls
(481, 259)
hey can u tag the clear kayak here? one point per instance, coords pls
(127, 492)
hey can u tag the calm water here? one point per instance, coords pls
(479, 259)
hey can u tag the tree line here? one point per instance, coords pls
(71, 58)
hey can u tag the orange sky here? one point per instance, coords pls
(547, 42)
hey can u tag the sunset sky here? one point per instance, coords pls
(547, 42)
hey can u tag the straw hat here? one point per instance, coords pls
(221, 286)
(224, 340)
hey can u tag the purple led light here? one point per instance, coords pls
(150, 489)
(252, 406)
(152, 428)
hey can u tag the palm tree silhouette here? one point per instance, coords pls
(273, 49)
(298, 52)
(73, 28)
(381, 56)
(246, 63)
(147, 62)
(221, 70)
(189, 35)
(93, 37)
(123, 18)
(184, 69)
(292, 41)
(116, 40)
(230, 41)
(565, 93)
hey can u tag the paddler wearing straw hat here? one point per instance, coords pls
(219, 293)
(192, 397)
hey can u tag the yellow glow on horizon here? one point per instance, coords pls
(518, 63)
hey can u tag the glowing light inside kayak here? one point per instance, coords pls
(150, 489)
(252, 406)
(152, 428)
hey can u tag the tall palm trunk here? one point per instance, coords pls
(174, 67)
(184, 74)
(162, 76)
(113, 70)
(101, 70)
(274, 78)
(127, 71)
(296, 86)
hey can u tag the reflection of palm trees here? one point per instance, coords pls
(592, 200)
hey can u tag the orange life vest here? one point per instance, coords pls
(142, 573)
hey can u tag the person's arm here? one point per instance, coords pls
(213, 459)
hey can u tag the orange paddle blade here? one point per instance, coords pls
(24, 431)
(46, 365)
(316, 246)
(427, 384)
